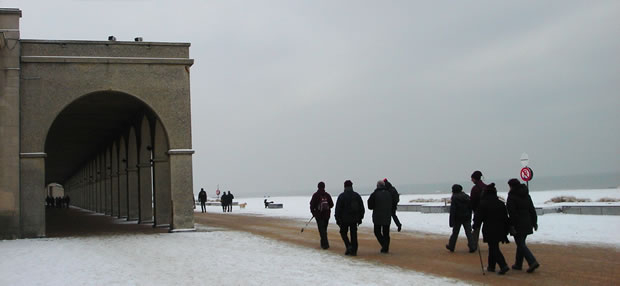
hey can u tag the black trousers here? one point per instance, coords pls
(523, 251)
(223, 208)
(203, 207)
(322, 225)
(382, 232)
(230, 207)
(456, 228)
(351, 245)
(496, 256)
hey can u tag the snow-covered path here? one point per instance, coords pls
(207, 257)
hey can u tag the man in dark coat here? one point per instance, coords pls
(494, 218)
(320, 207)
(230, 201)
(475, 195)
(349, 214)
(202, 197)
(460, 214)
(380, 201)
(522, 219)
(395, 200)
(224, 201)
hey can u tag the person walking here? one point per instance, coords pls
(475, 195)
(493, 216)
(460, 215)
(395, 200)
(320, 207)
(523, 218)
(224, 201)
(349, 214)
(202, 197)
(380, 202)
(230, 201)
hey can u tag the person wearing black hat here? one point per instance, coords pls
(475, 195)
(460, 214)
(380, 202)
(523, 219)
(349, 214)
(320, 207)
(493, 217)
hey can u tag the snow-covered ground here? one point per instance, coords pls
(552, 228)
(207, 257)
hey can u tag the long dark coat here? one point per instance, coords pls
(493, 216)
(345, 212)
(380, 201)
(521, 210)
(460, 209)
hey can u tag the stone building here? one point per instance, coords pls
(109, 120)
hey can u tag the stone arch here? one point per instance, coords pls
(70, 127)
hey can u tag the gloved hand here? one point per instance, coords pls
(536, 227)
(359, 222)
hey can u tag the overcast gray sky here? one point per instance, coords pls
(288, 93)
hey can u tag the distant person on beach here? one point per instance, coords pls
(230, 201)
(224, 201)
(380, 202)
(523, 219)
(267, 203)
(492, 215)
(202, 197)
(475, 195)
(395, 200)
(460, 215)
(349, 214)
(320, 207)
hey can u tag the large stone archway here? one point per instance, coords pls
(109, 120)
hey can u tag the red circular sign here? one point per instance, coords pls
(217, 192)
(527, 174)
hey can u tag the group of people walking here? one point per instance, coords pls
(496, 220)
(517, 217)
(350, 211)
(227, 201)
(57, 202)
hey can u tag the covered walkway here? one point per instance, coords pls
(63, 222)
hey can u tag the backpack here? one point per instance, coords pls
(324, 208)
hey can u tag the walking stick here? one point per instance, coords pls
(479, 254)
(302, 229)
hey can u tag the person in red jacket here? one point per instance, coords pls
(320, 207)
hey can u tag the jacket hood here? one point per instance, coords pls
(460, 196)
(520, 191)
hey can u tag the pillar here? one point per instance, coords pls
(182, 190)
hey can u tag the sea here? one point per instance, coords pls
(542, 183)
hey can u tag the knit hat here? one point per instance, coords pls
(476, 175)
(348, 183)
(513, 182)
(490, 189)
(321, 185)
(456, 188)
